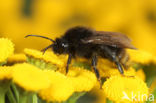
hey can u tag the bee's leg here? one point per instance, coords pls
(43, 50)
(94, 63)
(123, 58)
(115, 59)
(119, 66)
(68, 62)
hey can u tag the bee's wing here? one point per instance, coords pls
(109, 38)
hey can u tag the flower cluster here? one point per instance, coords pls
(41, 75)
(32, 76)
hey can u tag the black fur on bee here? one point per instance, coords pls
(91, 44)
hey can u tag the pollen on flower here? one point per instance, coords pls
(140, 56)
(5, 72)
(7, 49)
(61, 87)
(30, 77)
(17, 58)
(121, 88)
(47, 56)
(83, 80)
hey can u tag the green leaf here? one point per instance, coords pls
(4, 87)
(154, 95)
(149, 71)
(108, 101)
(11, 96)
(1, 64)
(15, 92)
(74, 97)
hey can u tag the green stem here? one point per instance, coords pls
(35, 98)
(4, 86)
(23, 95)
(23, 99)
(2, 97)
(11, 96)
(74, 97)
(14, 88)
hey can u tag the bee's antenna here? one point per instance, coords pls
(41, 37)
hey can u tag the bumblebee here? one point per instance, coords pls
(91, 44)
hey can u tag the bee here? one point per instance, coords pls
(91, 44)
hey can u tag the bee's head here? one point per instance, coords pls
(60, 46)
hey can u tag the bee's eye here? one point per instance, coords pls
(64, 45)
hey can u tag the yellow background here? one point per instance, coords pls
(135, 18)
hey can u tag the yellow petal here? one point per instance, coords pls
(140, 56)
(61, 88)
(17, 58)
(30, 77)
(48, 57)
(5, 72)
(83, 80)
(140, 73)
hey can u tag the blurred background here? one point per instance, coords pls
(135, 18)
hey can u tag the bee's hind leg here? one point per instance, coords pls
(119, 66)
(113, 56)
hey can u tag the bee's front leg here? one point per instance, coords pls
(68, 62)
(44, 50)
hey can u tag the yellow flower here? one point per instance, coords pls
(108, 72)
(16, 58)
(5, 72)
(140, 56)
(48, 57)
(83, 80)
(140, 73)
(98, 94)
(108, 68)
(30, 77)
(121, 89)
(62, 87)
(60, 90)
(7, 49)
